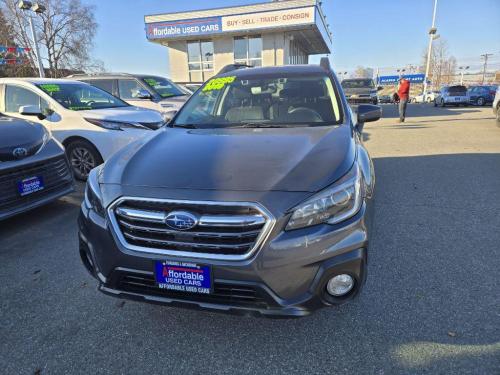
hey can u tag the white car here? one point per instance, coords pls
(89, 122)
(425, 98)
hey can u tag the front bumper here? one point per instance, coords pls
(285, 278)
(51, 164)
(362, 100)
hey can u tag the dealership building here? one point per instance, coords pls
(200, 43)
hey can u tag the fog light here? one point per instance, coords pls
(340, 285)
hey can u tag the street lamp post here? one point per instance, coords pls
(462, 70)
(27, 6)
(432, 33)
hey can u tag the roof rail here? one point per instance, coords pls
(232, 67)
(325, 64)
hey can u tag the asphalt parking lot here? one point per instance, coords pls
(431, 303)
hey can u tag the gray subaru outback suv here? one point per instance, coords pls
(255, 199)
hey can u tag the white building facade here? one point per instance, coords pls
(200, 43)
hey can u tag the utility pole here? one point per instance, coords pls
(485, 66)
(432, 33)
(28, 6)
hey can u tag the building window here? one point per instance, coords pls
(248, 50)
(200, 60)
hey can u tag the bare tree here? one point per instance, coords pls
(362, 72)
(442, 65)
(65, 31)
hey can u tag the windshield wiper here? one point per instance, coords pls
(257, 125)
(185, 126)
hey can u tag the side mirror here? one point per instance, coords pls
(380, 88)
(142, 94)
(368, 113)
(31, 110)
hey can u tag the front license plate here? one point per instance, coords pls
(30, 185)
(183, 277)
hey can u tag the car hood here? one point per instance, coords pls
(130, 113)
(294, 159)
(17, 133)
(358, 90)
(176, 101)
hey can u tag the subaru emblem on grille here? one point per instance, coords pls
(181, 220)
(20, 153)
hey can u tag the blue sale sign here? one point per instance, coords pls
(391, 80)
(205, 26)
(183, 277)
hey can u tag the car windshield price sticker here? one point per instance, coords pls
(183, 277)
(50, 88)
(218, 83)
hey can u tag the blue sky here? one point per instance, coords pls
(372, 33)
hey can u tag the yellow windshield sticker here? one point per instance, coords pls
(218, 83)
(50, 88)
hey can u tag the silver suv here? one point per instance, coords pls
(140, 90)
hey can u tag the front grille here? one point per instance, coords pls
(223, 293)
(56, 177)
(224, 230)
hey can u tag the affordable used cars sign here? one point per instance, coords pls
(160, 30)
(240, 22)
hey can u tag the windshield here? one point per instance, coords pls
(272, 101)
(163, 87)
(80, 96)
(357, 83)
(457, 90)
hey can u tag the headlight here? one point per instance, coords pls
(333, 205)
(93, 197)
(115, 125)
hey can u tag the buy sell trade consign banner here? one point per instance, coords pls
(240, 22)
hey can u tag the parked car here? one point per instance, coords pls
(258, 199)
(141, 90)
(482, 95)
(452, 95)
(496, 105)
(426, 97)
(34, 169)
(384, 99)
(88, 121)
(191, 87)
(360, 90)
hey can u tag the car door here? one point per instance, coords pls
(16, 97)
(128, 89)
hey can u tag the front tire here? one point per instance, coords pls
(442, 103)
(480, 101)
(83, 157)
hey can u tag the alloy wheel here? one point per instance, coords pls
(82, 161)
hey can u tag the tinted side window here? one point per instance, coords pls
(16, 97)
(103, 84)
(128, 88)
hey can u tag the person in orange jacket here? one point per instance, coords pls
(404, 96)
